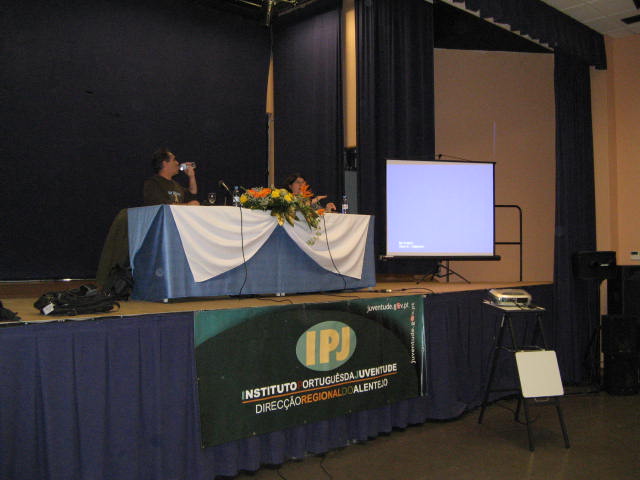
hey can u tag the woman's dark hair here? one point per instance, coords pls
(289, 179)
(159, 157)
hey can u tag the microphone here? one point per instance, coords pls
(224, 185)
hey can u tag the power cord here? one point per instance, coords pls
(269, 299)
(324, 469)
(244, 260)
(326, 236)
(428, 290)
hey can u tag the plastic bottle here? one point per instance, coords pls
(345, 204)
(236, 196)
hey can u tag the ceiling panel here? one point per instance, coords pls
(604, 16)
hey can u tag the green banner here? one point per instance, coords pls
(264, 369)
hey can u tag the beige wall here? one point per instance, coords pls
(500, 106)
(616, 127)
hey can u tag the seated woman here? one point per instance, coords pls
(295, 183)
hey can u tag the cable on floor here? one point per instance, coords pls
(269, 299)
(324, 469)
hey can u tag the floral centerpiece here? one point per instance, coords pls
(283, 204)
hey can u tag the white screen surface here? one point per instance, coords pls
(440, 209)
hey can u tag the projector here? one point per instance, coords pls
(510, 297)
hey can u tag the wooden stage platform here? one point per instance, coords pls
(19, 297)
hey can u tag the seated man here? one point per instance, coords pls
(159, 189)
(162, 189)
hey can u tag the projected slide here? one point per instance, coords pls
(440, 209)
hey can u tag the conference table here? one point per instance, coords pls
(179, 251)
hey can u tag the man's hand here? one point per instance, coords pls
(190, 171)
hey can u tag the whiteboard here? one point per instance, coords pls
(539, 374)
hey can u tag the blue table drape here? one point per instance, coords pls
(116, 398)
(161, 270)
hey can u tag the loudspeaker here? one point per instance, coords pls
(351, 191)
(350, 159)
(623, 291)
(594, 265)
(620, 334)
(621, 374)
(621, 348)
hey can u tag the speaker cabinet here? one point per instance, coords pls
(621, 348)
(621, 373)
(620, 334)
(623, 291)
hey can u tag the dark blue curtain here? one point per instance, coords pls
(90, 89)
(395, 94)
(576, 307)
(308, 101)
(546, 24)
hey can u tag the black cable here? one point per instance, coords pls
(449, 271)
(280, 474)
(326, 236)
(269, 299)
(244, 260)
(324, 469)
(428, 290)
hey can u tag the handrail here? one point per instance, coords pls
(519, 242)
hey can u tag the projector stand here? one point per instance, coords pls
(536, 376)
(446, 275)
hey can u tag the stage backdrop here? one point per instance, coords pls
(90, 89)
(307, 72)
(317, 361)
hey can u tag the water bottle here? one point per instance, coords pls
(235, 198)
(345, 204)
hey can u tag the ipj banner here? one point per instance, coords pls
(264, 369)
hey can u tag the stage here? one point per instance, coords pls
(19, 297)
(115, 396)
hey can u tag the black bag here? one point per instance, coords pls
(7, 315)
(77, 301)
(119, 283)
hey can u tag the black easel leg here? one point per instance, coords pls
(565, 435)
(492, 369)
(528, 421)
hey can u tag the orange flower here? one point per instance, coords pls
(259, 194)
(320, 211)
(263, 193)
(305, 191)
